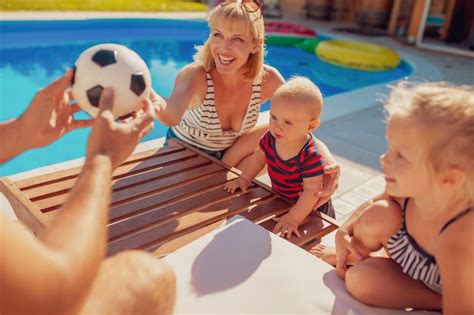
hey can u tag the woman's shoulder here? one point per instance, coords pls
(192, 77)
(271, 80)
(271, 74)
(193, 72)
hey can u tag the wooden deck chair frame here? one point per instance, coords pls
(162, 199)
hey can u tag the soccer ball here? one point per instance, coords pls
(115, 66)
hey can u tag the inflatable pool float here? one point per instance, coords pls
(286, 34)
(357, 55)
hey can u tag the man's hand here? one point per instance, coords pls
(50, 114)
(287, 225)
(116, 139)
(233, 185)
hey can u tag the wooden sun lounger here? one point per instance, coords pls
(161, 200)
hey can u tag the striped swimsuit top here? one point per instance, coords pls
(201, 127)
(413, 259)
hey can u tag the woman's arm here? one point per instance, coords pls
(189, 90)
(271, 82)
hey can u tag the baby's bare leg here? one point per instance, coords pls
(380, 282)
(132, 283)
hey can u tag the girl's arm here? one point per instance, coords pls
(455, 256)
(343, 239)
(189, 90)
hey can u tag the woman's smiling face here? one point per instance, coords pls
(230, 48)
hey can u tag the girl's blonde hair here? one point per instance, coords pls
(448, 111)
(234, 15)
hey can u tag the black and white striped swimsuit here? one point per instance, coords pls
(201, 127)
(415, 261)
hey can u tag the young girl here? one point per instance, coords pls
(290, 151)
(427, 226)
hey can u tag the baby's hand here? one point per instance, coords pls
(240, 182)
(287, 225)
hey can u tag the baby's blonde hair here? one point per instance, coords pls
(234, 15)
(302, 90)
(448, 112)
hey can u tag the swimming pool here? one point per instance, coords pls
(33, 53)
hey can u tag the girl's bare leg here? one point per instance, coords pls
(380, 282)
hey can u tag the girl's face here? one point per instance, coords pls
(404, 166)
(231, 48)
(290, 123)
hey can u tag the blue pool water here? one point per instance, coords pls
(33, 53)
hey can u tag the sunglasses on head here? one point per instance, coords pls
(249, 5)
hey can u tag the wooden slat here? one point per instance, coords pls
(168, 211)
(33, 182)
(24, 209)
(201, 226)
(272, 207)
(166, 247)
(164, 182)
(51, 188)
(178, 226)
(314, 227)
(167, 195)
(146, 188)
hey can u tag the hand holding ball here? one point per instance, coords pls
(115, 66)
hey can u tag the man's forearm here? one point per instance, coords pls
(79, 232)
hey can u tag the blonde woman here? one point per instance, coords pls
(216, 100)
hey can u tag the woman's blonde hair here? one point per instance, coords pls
(448, 111)
(234, 15)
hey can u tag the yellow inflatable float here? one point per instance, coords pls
(358, 55)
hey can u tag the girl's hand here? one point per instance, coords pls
(345, 246)
(233, 185)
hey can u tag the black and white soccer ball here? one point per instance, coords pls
(115, 66)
